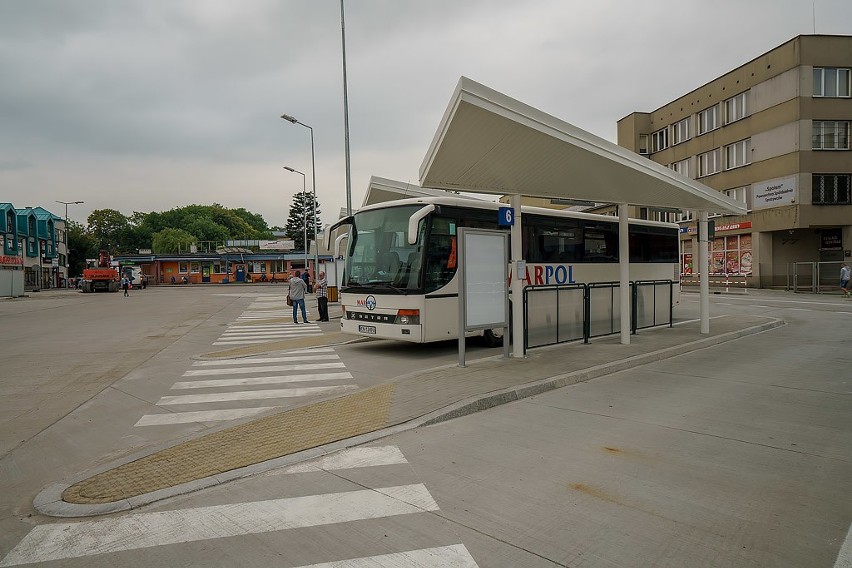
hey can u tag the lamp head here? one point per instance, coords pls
(289, 118)
(289, 169)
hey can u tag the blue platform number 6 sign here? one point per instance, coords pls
(506, 217)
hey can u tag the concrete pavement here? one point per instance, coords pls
(420, 398)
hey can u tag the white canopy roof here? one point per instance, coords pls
(383, 189)
(490, 143)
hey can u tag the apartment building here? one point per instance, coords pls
(775, 134)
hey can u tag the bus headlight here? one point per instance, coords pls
(408, 317)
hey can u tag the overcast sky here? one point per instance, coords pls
(146, 105)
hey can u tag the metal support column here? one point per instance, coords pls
(704, 271)
(517, 282)
(624, 272)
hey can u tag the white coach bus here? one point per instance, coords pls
(400, 271)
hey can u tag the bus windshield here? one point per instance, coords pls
(379, 254)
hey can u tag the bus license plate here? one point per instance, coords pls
(367, 329)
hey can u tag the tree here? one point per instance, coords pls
(172, 241)
(81, 245)
(108, 227)
(303, 202)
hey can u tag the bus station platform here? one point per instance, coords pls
(415, 400)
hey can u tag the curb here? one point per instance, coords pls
(49, 501)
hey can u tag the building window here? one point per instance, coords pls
(194, 267)
(660, 140)
(183, 267)
(708, 119)
(731, 255)
(680, 131)
(831, 82)
(736, 107)
(709, 162)
(681, 167)
(739, 194)
(831, 189)
(737, 154)
(831, 135)
(651, 214)
(643, 144)
(218, 268)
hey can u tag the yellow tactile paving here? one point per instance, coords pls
(254, 442)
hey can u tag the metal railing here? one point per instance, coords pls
(660, 298)
(555, 314)
(571, 312)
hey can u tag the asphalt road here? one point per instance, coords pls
(737, 455)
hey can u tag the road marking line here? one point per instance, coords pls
(270, 368)
(248, 395)
(266, 314)
(267, 360)
(844, 557)
(347, 459)
(264, 327)
(144, 530)
(199, 416)
(330, 354)
(249, 329)
(246, 381)
(261, 334)
(250, 341)
(454, 556)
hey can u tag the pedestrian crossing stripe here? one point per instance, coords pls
(455, 556)
(198, 416)
(59, 541)
(249, 395)
(289, 356)
(267, 369)
(321, 355)
(350, 458)
(245, 381)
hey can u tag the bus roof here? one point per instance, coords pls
(493, 206)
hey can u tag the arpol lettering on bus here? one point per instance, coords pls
(543, 274)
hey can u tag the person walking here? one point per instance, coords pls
(321, 288)
(297, 295)
(845, 276)
(125, 285)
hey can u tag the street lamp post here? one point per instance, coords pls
(293, 120)
(65, 236)
(345, 114)
(304, 214)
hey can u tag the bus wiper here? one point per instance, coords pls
(387, 284)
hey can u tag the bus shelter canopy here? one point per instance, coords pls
(490, 143)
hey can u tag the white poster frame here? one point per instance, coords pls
(483, 270)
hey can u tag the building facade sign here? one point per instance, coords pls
(831, 239)
(775, 193)
(719, 228)
(277, 245)
(6, 260)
